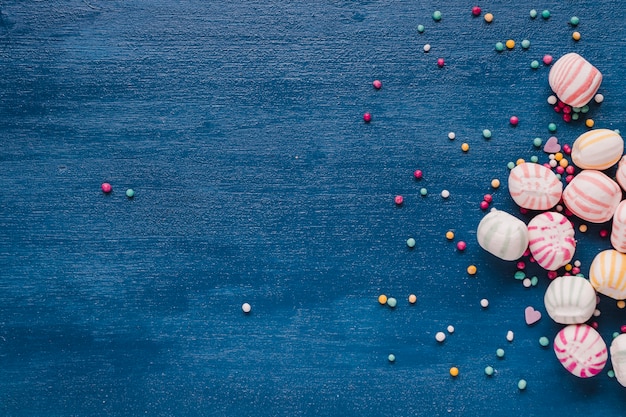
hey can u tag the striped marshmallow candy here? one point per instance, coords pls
(551, 240)
(534, 187)
(618, 358)
(574, 80)
(570, 300)
(607, 274)
(618, 230)
(581, 350)
(592, 196)
(502, 235)
(620, 174)
(597, 149)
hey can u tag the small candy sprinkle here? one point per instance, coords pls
(574, 21)
(398, 200)
(420, 28)
(450, 329)
(423, 192)
(130, 193)
(440, 337)
(526, 283)
(441, 62)
(495, 183)
(476, 11)
(534, 281)
(545, 14)
(519, 161)
(552, 100)
(436, 15)
(544, 341)
(522, 384)
(454, 371)
(465, 147)
(584, 109)
(533, 13)
(604, 233)
(391, 357)
(382, 299)
(367, 117)
(484, 205)
(621, 304)
(445, 193)
(582, 228)
(461, 245)
(392, 302)
(499, 46)
(510, 44)
(410, 242)
(552, 127)
(427, 47)
(547, 59)
(488, 17)
(519, 275)
(598, 98)
(449, 235)
(525, 44)
(412, 298)
(576, 36)
(534, 64)
(500, 353)
(377, 84)
(246, 308)
(514, 120)
(484, 303)
(451, 135)
(589, 123)
(488, 370)
(488, 198)
(417, 174)
(106, 187)
(472, 270)
(537, 142)
(610, 373)
(510, 335)
(534, 159)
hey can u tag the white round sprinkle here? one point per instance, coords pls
(510, 335)
(577, 263)
(445, 193)
(484, 303)
(440, 337)
(599, 98)
(246, 308)
(552, 100)
(559, 208)
(596, 313)
(551, 156)
(553, 163)
(427, 47)
(526, 283)
(450, 329)
(451, 135)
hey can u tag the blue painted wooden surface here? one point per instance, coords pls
(239, 126)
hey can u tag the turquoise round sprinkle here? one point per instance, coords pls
(574, 21)
(510, 165)
(130, 193)
(525, 44)
(615, 334)
(500, 353)
(410, 242)
(537, 142)
(617, 131)
(534, 64)
(576, 109)
(423, 192)
(575, 116)
(552, 127)
(584, 109)
(544, 341)
(534, 159)
(558, 176)
(391, 357)
(437, 16)
(520, 275)
(392, 302)
(487, 134)
(534, 281)
(610, 373)
(420, 28)
(499, 46)
(545, 14)
(489, 370)
(533, 13)
(521, 384)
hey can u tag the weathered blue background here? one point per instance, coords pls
(239, 126)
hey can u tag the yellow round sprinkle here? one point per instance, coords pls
(576, 36)
(464, 147)
(449, 235)
(558, 156)
(454, 371)
(471, 270)
(412, 298)
(564, 163)
(488, 17)
(568, 267)
(510, 44)
(382, 299)
(582, 228)
(519, 161)
(589, 122)
(621, 304)
(495, 183)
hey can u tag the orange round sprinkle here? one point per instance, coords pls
(382, 299)
(472, 270)
(576, 36)
(510, 44)
(568, 267)
(563, 163)
(519, 161)
(412, 298)
(589, 122)
(621, 304)
(582, 228)
(495, 183)
(488, 17)
(454, 371)
(558, 156)
(449, 235)
(464, 147)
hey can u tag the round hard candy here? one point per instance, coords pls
(618, 358)
(502, 235)
(607, 274)
(570, 300)
(534, 187)
(618, 230)
(581, 350)
(574, 80)
(551, 240)
(620, 174)
(592, 196)
(597, 149)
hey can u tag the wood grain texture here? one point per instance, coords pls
(239, 126)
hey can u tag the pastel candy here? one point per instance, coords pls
(618, 232)
(597, 149)
(551, 240)
(607, 274)
(620, 175)
(574, 80)
(534, 186)
(618, 358)
(581, 350)
(570, 300)
(592, 196)
(502, 235)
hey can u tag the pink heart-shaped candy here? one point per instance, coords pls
(552, 145)
(532, 316)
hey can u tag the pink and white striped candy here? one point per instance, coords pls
(551, 240)
(597, 149)
(592, 196)
(574, 80)
(607, 274)
(581, 350)
(534, 187)
(618, 231)
(620, 175)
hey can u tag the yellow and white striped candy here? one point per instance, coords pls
(607, 274)
(620, 175)
(574, 80)
(534, 186)
(502, 235)
(597, 149)
(618, 230)
(570, 300)
(592, 196)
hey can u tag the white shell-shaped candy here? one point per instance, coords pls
(618, 358)
(502, 235)
(592, 196)
(534, 186)
(618, 230)
(607, 274)
(620, 175)
(574, 80)
(570, 300)
(551, 240)
(597, 149)
(581, 350)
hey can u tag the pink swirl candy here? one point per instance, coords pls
(574, 80)
(592, 196)
(551, 239)
(581, 350)
(534, 186)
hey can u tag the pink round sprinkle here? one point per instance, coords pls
(557, 109)
(514, 120)
(106, 187)
(488, 198)
(567, 117)
(377, 84)
(526, 252)
(603, 233)
(367, 117)
(476, 11)
(569, 178)
(594, 324)
(623, 328)
(399, 200)
(560, 169)
(547, 59)
(569, 169)
(484, 205)
(461, 245)
(441, 62)
(521, 265)
(567, 149)
(559, 103)
(567, 109)
(523, 210)
(575, 270)
(417, 174)
(552, 274)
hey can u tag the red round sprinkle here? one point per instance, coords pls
(603, 233)
(461, 245)
(567, 109)
(106, 187)
(367, 117)
(417, 174)
(594, 325)
(514, 120)
(476, 11)
(567, 212)
(521, 265)
(552, 274)
(569, 178)
(566, 148)
(526, 252)
(560, 169)
(399, 199)
(523, 210)
(377, 84)
(547, 59)
(569, 169)
(575, 270)
(623, 328)
(557, 109)
(488, 198)
(441, 62)
(484, 205)
(560, 104)
(567, 117)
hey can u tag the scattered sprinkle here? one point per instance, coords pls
(440, 337)
(547, 59)
(106, 187)
(510, 44)
(552, 127)
(410, 242)
(454, 371)
(552, 100)
(417, 174)
(377, 84)
(412, 298)
(525, 44)
(488, 17)
(599, 98)
(427, 47)
(391, 357)
(246, 308)
(544, 341)
(545, 14)
(487, 133)
(484, 303)
(521, 384)
(423, 192)
(449, 235)
(367, 117)
(533, 13)
(398, 200)
(476, 11)
(589, 123)
(499, 46)
(489, 370)
(500, 353)
(450, 329)
(130, 193)
(445, 193)
(452, 135)
(582, 228)
(420, 28)
(576, 36)
(392, 302)
(510, 335)
(441, 62)
(534, 64)
(621, 304)
(574, 21)
(610, 373)
(514, 120)
(382, 299)
(436, 15)
(461, 245)
(495, 183)
(472, 270)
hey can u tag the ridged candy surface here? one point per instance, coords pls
(570, 300)
(502, 235)
(597, 149)
(574, 80)
(534, 186)
(618, 358)
(581, 350)
(607, 274)
(592, 196)
(620, 175)
(618, 229)
(551, 240)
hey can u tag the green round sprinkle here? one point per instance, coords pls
(575, 116)
(437, 16)
(552, 127)
(534, 64)
(525, 44)
(537, 142)
(130, 193)
(420, 28)
(574, 21)
(610, 373)
(520, 275)
(534, 159)
(487, 134)
(499, 46)
(423, 191)
(534, 281)
(489, 370)
(521, 384)
(410, 242)
(500, 353)
(510, 165)
(584, 109)
(391, 357)
(392, 302)
(615, 334)
(576, 109)
(544, 341)
(558, 176)
(545, 14)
